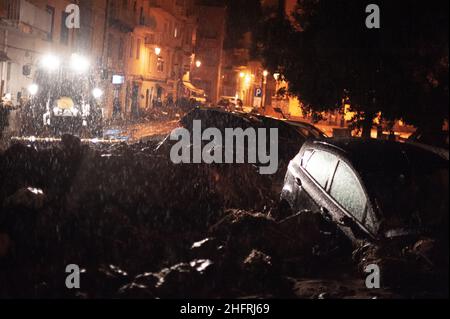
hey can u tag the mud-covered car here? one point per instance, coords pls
(290, 139)
(372, 190)
(437, 142)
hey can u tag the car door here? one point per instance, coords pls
(349, 202)
(309, 178)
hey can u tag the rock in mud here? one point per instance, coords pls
(105, 281)
(29, 198)
(186, 279)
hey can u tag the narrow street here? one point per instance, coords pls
(143, 130)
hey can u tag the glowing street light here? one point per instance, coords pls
(79, 63)
(265, 73)
(50, 62)
(248, 79)
(198, 63)
(97, 93)
(158, 51)
(242, 75)
(33, 89)
(276, 76)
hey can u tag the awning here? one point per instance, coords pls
(192, 88)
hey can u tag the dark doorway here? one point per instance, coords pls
(135, 101)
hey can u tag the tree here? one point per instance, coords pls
(328, 55)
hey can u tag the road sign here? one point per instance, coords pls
(258, 92)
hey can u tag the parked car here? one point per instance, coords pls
(230, 103)
(290, 139)
(308, 130)
(372, 190)
(435, 142)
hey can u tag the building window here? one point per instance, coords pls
(150, 55)
(51, 11)
(138, 49)
(110, 45)
(141, 17)
(64, 38)
(121, 49)
(131, 47)
(188, 37)
(160, 65)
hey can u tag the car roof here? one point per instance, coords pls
(374, 154)
(307, 126)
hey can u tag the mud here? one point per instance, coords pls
(142, 227)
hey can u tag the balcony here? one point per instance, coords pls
(29, 18)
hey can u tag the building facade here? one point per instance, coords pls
(209, 49)
(142, 52)
(161, 54)
(28, 30)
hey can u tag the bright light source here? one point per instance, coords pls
(276, 76)
(50, 62)
(241, 75)
(157, 51)
(248, 79)
(97, 93)
(79, 63)
(198, 63)
(265, 73)
(33, 89)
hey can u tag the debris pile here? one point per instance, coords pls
(141, 227)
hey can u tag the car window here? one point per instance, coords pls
(320, 166)
(348, 192)
(306, 157)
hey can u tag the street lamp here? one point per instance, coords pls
(97, 93)
(264, 89)
(242, 75)
(198, 63)
(50, 62)
(79, 63)
(157, 51)
(248, 79)
(276, 76)
(33, 89)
